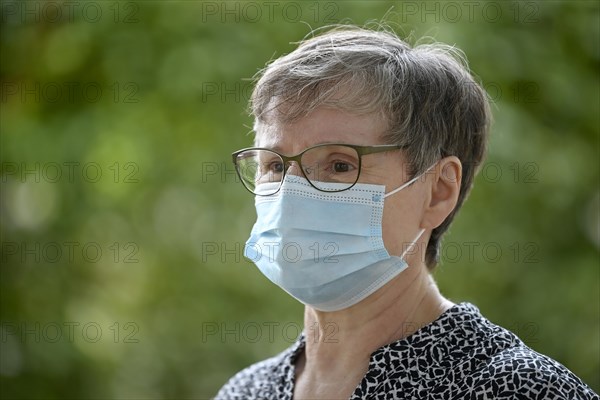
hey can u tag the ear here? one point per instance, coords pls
(444, 187)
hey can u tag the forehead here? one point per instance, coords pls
(322, 125)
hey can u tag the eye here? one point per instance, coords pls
(276, 167)
(341, 166)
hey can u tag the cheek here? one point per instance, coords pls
(401, 220)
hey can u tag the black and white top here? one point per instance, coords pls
(461, 355)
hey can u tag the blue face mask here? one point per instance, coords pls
(324, 249)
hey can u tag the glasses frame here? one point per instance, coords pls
(360, 150)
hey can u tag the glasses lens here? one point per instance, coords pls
(331, 168)
(261, 171)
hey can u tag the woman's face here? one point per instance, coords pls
(403, 210)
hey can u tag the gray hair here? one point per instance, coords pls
(426, 93)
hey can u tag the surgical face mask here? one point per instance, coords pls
(325, 249)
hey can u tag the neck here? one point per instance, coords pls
(348, 337)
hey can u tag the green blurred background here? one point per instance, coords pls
(123, 223)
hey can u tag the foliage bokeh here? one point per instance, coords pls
(152, 96)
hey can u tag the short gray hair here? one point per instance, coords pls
(426, 93)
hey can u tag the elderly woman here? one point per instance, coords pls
(365, 150)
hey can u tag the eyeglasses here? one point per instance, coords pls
(329, 167)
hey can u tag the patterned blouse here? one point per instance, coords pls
(461, 355)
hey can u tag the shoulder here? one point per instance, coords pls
(478, 359)
(520, 372)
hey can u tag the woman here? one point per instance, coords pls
(365, 149)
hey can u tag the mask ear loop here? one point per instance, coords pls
(408, 183)
(413, 243)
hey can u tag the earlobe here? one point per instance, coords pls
(444, 188)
